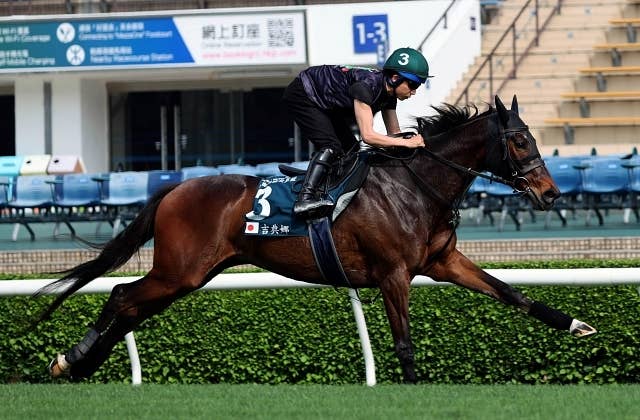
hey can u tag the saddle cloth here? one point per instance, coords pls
(272, 213)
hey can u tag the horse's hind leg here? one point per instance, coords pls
(458, 269)
(128, 306)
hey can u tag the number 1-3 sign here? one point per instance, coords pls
(369, 32)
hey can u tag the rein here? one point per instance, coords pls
(460, 168)
(517, 171)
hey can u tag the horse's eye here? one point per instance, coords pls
(520, 141)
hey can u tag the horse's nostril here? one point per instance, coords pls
(551, 195)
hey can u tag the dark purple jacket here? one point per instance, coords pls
(333, 88)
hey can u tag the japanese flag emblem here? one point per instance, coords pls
(251, 227)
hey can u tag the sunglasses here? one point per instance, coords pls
(412, 84)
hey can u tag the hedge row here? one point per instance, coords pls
(309, 336)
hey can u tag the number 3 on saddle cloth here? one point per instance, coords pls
(272, 213)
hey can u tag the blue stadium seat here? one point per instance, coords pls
(160, 179)
(604, 176)
(633, 166)
(235, 169)
(198, 171)
(565, 174)
(32, 191)
(268, 169)
(32, 202)
(124, 188)
(6, 191)
(501, 198)
(605, 185)
(479, 185)
(123, 194)
(473, 199)
(76, 198)
(301, 164)
(632, 204)
(568, 178)
(73, 190)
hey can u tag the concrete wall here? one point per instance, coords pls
(80, 120)
(30, 115)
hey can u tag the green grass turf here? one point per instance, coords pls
(121, 401)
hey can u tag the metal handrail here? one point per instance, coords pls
(442, 17)
(516, 61)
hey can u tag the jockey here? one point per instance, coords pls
(326, 100)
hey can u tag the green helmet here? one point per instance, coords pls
(408, 63)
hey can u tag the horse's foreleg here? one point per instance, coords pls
(460, 270)
(395, 293)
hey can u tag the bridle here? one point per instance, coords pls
(519, 167)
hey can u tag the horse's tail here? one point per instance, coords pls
(114, 254)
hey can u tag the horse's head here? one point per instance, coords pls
(521, 162)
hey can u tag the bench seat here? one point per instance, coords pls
(620, 46)
(629, 95)
(593, 121)
(611, 70)
(624, 21)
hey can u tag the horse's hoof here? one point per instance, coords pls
(581, 329)
(59, 367)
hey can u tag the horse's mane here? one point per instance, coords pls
(447, 117)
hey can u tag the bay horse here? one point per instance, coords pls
(400, 224)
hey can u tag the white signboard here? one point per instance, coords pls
(245, 39)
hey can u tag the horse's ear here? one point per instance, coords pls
(503, 114)
(514, 105)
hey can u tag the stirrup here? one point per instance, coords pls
(307, 207)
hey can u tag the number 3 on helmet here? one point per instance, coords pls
(408, 63)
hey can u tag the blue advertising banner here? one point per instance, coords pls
(200, 40)
(92, 43)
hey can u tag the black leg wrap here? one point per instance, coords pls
(78, 351)
(552, 317)
(405, 355)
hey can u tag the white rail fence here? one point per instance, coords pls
(255, 281)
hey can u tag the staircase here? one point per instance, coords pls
(574, 54)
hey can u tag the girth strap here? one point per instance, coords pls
(325, 254)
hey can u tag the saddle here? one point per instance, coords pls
(272, 213)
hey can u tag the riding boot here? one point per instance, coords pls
(309, 200)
